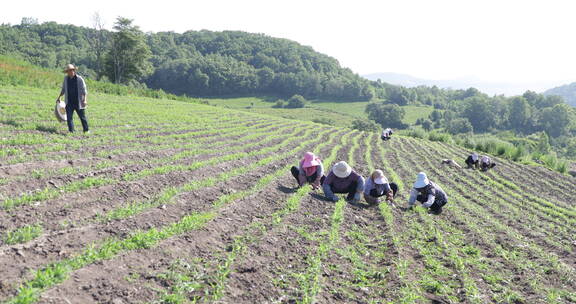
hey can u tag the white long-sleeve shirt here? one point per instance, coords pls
(434, 192)
(414, 194)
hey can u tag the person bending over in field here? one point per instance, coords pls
(486, 163)
(386, 134)
(451, 163)
(377, 186)
(310, 170)
(74, 91)
(428, 193)
(472, 161)
(342, 179)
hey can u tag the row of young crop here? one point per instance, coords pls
(160, 167)
(216, 288)
(73, 263)
(542, 217)
(52, 147)
(167, 150)
(472, 213)
(23, 233)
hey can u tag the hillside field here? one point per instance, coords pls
(341, 113)
(177, 202)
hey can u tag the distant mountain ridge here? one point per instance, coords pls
(567, 91)
(488, 87)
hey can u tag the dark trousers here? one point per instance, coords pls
(485, 167)
(70, 109)
(351, 190)
(436, 206)
(385, 137)
(393, 186)
(471, 163)
(295, 172)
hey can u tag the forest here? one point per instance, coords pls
(231, 63)
(195, 63)
(518, 119)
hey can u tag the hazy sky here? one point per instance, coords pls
(494, 40)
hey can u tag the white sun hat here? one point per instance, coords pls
(342, 169)
(60, 111)
(421, 180)
(379, 177)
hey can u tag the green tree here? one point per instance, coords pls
(435, 115)
(520, 114)
(98, 40)
(296, 101)
(387, 115)
(365, 125)
(459, 125)
(427, 125)
(479, 112)
(556, 120)
(398, 95)
(128, 56)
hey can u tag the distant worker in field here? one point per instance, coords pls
(472, 161)
(75, 92)
(342, 179)
(310, 170)
(377, 187)
(486, 163)
(386, 134)
(451, 163)
(428, 193)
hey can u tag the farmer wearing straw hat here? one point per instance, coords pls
(342, 179)
(377, 186)
(74, 91)
(428, 193)
(309, 170)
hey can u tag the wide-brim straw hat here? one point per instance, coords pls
(342, 169)
(379, 177)
(69, 67)
(421, 180)
(60, 111)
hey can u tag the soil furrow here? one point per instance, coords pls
(214, 237)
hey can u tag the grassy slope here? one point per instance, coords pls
(123, 122)
(340, 112)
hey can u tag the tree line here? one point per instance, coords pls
(471, 111)
(195, 63)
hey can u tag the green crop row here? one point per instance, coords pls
(169, 193)
(51, 193)
(57, 272)
(517, 210)
(521, 259)
(216, 289)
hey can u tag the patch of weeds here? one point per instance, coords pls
(23, 234)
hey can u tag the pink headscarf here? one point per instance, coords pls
(309, 163)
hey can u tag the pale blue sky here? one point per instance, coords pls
(529, 42)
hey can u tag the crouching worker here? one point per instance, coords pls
(472, 161)
(342, 179)
(486, 163)
(377, 186)
(310, 170)
(428, 193)
(386, 134)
